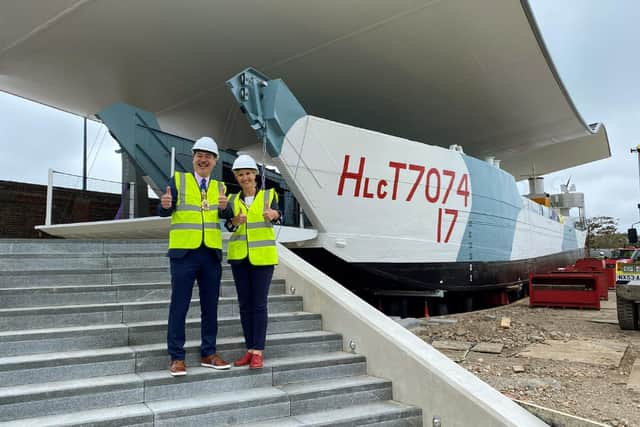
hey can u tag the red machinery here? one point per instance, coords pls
(573, 289)
(582, 285)
(597, 267)
(610, 269)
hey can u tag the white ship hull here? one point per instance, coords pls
(381, 200)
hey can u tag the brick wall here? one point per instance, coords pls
(23, 206)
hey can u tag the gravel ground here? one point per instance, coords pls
(587, 390)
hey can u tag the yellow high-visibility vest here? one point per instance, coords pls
(255, 239)
(190, 222)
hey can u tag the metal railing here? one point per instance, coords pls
(129, 192)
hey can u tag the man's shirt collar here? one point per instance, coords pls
(199, 179)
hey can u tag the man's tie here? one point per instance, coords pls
(203, 194)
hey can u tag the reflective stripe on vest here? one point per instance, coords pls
(189, 222)
(255, 239)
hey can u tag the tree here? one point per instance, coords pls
(602, 233)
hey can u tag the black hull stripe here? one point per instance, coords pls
(449, 276)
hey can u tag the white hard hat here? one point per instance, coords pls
(205, 143)
(244, 161)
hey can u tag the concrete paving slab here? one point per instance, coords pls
(451, 345)
(596, 352)
(633, 383)
(454, 350)
(488, 347)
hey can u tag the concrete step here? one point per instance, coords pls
(143, 333)
(53, 277)
(56, 246)
(146, 259)
(199, 381)
(293, 369)
(89, 260)
(61, 261)
(28, 246)
(388, 413)
(153, 357)
(68, 396)
(380, 414)
(243, 406)
(66, 364)
(37, 341)
(255, 404)
(335, 393)
(93, 276)
(125, 246)
(114, 313)
(47, 261)
(23, 342)
(129, 415)
(96, 294)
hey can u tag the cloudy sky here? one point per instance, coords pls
(593, 43)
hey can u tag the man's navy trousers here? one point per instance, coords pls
(203, 265)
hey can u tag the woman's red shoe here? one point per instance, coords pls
(256, 361)
(244, 360)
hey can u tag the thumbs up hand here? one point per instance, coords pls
(270, 214)
(241, 218)
(222, 201)
(166, 200)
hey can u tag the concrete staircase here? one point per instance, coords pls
(82, 342)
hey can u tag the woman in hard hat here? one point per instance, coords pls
(252, 254)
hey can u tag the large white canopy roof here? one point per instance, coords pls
(468, 72)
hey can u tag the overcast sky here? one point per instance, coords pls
(594, 45)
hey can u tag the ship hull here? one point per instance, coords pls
(419, 214)
(466, 277)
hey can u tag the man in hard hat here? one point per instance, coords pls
(195, 202)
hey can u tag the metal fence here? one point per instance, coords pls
(63, 180)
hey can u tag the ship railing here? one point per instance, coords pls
(536, 208)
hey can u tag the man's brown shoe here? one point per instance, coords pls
(177, 368)
(214, 361)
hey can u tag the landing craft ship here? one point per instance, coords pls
(410, 215)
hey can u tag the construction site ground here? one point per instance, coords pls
(576, 361)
